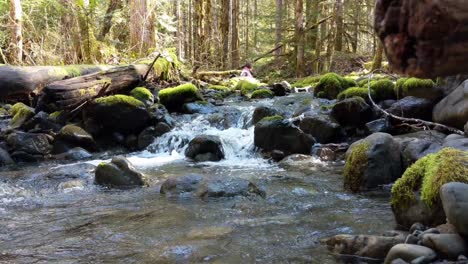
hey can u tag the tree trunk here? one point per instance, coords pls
(331, 41)
(141, 27)
(339, 26)
(16, 45)
(114, 5)
(21, 82)
(225, 32)
(424, 38)
(377, 62)
(279, 26)
(235, 35)
(70, 93)
(299, 38)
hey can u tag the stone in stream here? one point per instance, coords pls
(74, 154)
(205, 148)
(76, 136)
(454, 198)
(29, 146)
(367, 246)
(149, 134)
(372, 162)
(453, 109)
(413, 107)
(353, 112)
(175, 186)
(275, 133)
(408, 253)
(217, 187)
(261, 112)
(280, 89)
(323, 128)
(5, 158)
(448, 246)
(119, 173)
(41, 122)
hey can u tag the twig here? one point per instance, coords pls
(151, 67)
(425, 124)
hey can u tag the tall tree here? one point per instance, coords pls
(114, 5)
(339, 25)
(377, 62)
(16, 45)
(225, 10)
(279, 26)
(141, 26)
(88, 39)
(299, 38)
(235, 59)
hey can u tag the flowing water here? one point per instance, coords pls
(53, 212)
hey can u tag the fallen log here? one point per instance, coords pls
(22, 82)
(70, 93)
(424, 38)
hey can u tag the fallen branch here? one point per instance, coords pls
(418, 123)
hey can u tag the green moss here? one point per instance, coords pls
(365, 82)
(355, 165)
(355, 92)
(384, 90)
(262, 93)
(307, 81)
(428, 175)
(246, 86)
(55, 115)
(3, 112)
(219, 88)
(142, 94)
(21, 113)
(119, 99)
(272, 118)
(174, 98)
(349, 82)
(406, 85)
(331, 84)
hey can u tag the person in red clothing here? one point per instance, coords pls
(247, 70)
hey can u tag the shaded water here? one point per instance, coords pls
(54, 213)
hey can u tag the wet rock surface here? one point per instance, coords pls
(205, 148)
(119, 173)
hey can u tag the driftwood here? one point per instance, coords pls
(424, 38)
(21, 82)
(71, 93)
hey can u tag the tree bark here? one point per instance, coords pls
(70, 93)
(339, 26)
(141, 26)
(279, 26)
(235, 60)
(225, 32)
(114, 5)
(424, 38)
(16, 45)
(21, 82)
(299, 38)
(377, 62)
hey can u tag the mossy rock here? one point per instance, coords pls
(3, 112)
(119, 99)
(221, 88)
(21, 113)
(384, 90)
(355, 166)
(418, 189)
(399, 87)
(330, 85)
(271, 118)
(355, 92)
(262, 94)
(247, 87)
(143, 94)
(307, 81)
(421, 88)
(349, 82)
(174, 98)
(364, 83)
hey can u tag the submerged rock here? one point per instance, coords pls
(454, 198)
(75, 154)
(176, 186)
(119, 173)
(205, 148)
(372, 162)
(409, 253)
(228, 187)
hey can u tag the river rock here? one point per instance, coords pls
(368, 246)
(77, 136)
(372, 162)
(118, 113)
(42, 123)
(263, 111)
(449, 246)
(408, 253)
(418, 211)
(456, 141)
(353, 112)
(282, 135)
(5, 158)
(419, 144)
(29, 143)
(323, 128)
(75, 154)
(280, 89)
(119, 173)
(413, 107)
(175, 186)
(149, 134)
(454, 198)
(205, 148)
(380, 125)
(217, 187)
(453, 109)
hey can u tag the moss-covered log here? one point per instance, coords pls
(424, 38)
(71, 93)
(21, 82)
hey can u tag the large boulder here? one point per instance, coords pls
(119, 113)
(413, 107)
(454, 198)
(408, 253)
(119, 173)
(415, 196)
(419, 144)
(144, 95)
(448, 246)
(323, 128)
(174, 98)
(372, 162)
(275, 133)
(29, 146)
(205, 148)
(76, 136)
(353, 112)
(453, 109)
(261, 112)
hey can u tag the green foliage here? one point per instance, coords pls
(119, 99)
(384, 90)
(262, 93)
(174, 98)
(142, 94)
(428, 175)
(405, 86)
(272, 118)
(330, 85)
(355, 92)
(247, 86)
(307, 81)
(356, 163)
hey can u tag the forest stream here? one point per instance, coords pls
(53, 212)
